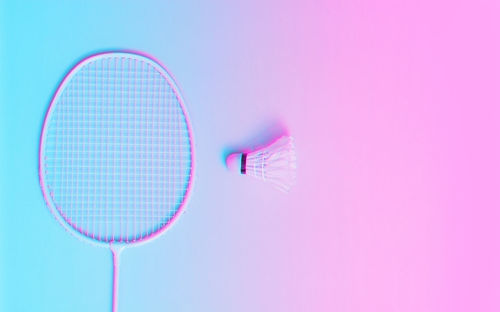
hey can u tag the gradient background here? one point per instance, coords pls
(395, 110)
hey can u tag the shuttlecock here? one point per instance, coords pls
(275, 163)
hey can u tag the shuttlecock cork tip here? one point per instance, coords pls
(233, 162)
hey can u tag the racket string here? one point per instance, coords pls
(110, 146)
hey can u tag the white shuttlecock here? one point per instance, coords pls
(275, 163)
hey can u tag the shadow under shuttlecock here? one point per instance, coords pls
(269, 132)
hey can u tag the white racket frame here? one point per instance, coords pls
(48, 199)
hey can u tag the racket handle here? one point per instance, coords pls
(115, 252)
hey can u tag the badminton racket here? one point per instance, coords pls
(116, 152)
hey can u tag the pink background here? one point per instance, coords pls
(395, 109)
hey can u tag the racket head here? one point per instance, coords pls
(177, 201)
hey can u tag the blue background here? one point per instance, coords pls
(394, 109)
(227, 252)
